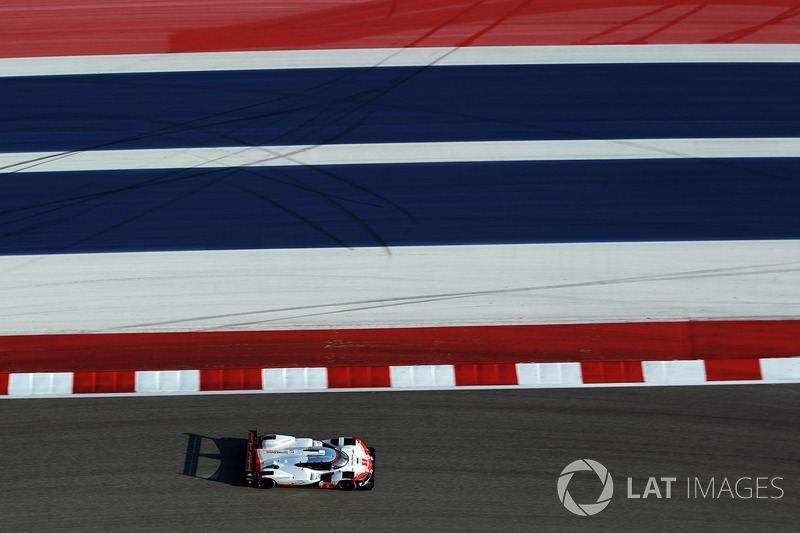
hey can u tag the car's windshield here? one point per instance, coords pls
(326, 456)
(341, 459)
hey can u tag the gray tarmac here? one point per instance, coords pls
(465, 460)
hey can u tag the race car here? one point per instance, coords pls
(344, 463)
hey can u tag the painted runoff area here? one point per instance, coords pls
(86, 27)
(378, 281)
(303, 107)
(401, 287)
(290, 310)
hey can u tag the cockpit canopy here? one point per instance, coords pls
(325, 458)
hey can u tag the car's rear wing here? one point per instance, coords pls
(251, 475)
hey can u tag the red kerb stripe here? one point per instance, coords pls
(733, 369)
(486, 374)
(103, 382)
(346, 377)
(230, 379)
(612, 372)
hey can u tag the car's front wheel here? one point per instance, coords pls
(347, 484)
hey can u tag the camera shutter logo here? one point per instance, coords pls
(585, 509)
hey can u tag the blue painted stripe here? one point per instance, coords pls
(169, 110)
(396, 205)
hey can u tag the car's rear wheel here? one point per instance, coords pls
(266, 483)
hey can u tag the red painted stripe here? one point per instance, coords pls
(486, 374)
(347, 377)
(612, 372)
(230, 379)
(3, 383)
(646, 341)
(103, 382)
(79, 27)
(732, 369)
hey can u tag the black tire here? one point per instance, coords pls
(266, 483)
(347, 484)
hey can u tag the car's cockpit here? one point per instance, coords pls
(325, 458)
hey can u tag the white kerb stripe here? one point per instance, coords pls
(674, 372)
(396, 153)
(400, 57)
(286, 379)
(422, 376)
(780, 369)
(40, 384)
(549, 374)
(168, 381)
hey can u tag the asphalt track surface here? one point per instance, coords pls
(446, 461)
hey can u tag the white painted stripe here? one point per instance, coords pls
(407, 286)
(286, 379)
(422, 376)
(401, 57)
(780, 369)
(397, 153)
(40, 384)
(168, 381)
(549, 374)
(674, 372)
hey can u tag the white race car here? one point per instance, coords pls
(344, 463)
